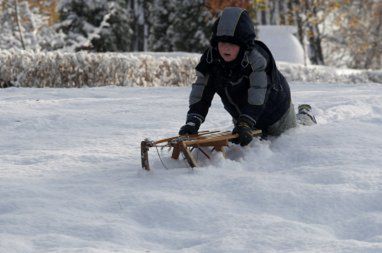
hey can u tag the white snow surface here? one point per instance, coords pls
(71, 179)
(282, 43)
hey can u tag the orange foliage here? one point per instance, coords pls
(217, 5)
(46, 7)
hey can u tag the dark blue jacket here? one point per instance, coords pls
(251, 86)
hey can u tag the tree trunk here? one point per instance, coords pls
(312, 33)
(282, 13)
(297, 9)
(272, 12)
(18, 24)
(291, 15)
(299, 23)
(317, 38)
(263, 17)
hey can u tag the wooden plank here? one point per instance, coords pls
(226, 136)
(209, 144)
(145, 155)
(190, 159)
(176, 152)
(212, 135)
(192, 136)
(209, 140)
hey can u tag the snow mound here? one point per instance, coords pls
(327, 74)
(282, 43)
(54, 69)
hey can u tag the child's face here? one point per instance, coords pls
(228, 51)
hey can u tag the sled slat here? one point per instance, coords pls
(190, 159)
(211, 143)
(192, 136)
(209, 140)
(176, 152)
(145, 155)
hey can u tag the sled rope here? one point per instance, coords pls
(160, 158)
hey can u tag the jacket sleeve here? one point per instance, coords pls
(258, 87)
(202, 91)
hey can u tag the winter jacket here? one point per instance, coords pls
(250, 86)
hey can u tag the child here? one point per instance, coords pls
(243, 73)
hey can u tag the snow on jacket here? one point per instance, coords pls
(250, 86)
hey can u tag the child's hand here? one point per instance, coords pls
(244, 130)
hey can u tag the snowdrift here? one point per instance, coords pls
(55, 69)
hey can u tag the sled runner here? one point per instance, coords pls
(185, 144)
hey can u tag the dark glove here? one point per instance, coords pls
(243, 128)
(191, 127)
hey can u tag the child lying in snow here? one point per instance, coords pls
(243, 72)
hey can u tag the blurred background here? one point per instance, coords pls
(341, 33)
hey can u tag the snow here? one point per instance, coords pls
(55, 69)
(71, 179)
(289, 50)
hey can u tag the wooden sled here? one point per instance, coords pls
(185, 144)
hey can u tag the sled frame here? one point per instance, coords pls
(184, 144)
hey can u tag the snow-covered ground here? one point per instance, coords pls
(71, 179)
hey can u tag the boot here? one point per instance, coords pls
(305, 116)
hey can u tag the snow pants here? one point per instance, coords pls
(287, 121)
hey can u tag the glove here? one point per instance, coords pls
(243, 128)
(191, 127)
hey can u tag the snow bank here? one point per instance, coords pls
(290, 50)
(55, 69)
(323, 74)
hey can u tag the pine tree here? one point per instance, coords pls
(117, 35)
(179, 26)
(117, 25)
(140, 23)
(96, 24)
(81, 22)
(162, 16)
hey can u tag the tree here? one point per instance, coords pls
(10, 35)
(336, 32)
(217, 5)
(26, 28)
(82, 22)
(116, 34)
(353, 34)
(179, 26)
(46, 8)
(116, 25)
